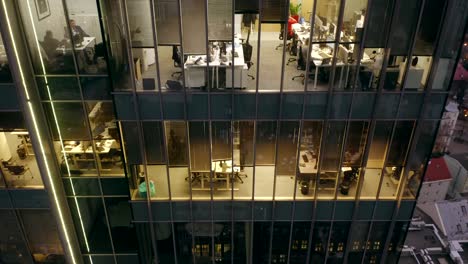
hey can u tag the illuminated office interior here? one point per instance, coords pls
(221, 131)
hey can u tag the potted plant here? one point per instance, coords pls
(294, 10)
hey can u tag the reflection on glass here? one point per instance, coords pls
(164, 246)
(299, 242)
(419, 157)
(271, 58)
(89, 47)
(338, 239)
(176, 138)
(319, 242)
(404, 24)
(396, 242)
(13, 245)
(203, 176)
(376, 242)
(243, 140)
(358, 241)
(326, 20)
(36, 223)
(260, 248)
(329, 168)
(287, 158)
(5, 73)
(396, 159)
(353, 21)
(119, 215)
(308, 159)
(375, 160)
(48, 37)
(18, 162)
(280, 243)
(352, 160)
(96, 239)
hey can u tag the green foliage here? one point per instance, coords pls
(294, 9)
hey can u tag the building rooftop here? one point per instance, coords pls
(437, 170)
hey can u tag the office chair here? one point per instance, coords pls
(177, 58)
(289, 36)
(247, 49)
(293, 49)
(301, 65)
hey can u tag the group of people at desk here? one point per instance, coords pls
(55, 52)
(220, 60)
(321, 55)
(308, 172)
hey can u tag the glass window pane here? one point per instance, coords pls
(338, 239)
(308, 159)
(5, 73)
(329, 168)
(96, 238)
(176, 138)
(14, 248)
(243, 140)
(353, 20)
(154, 144)
(193, 27)
(375, 160)
(266, 142)
(166, 26)
(123, 234)
(352, 160)
(60, 88)
(271, 59)
(326, 20)
(96, 88)
(139, 20)
(220, 20)
(131, 143)
(429, 27)
(319, 244)
(287, 159)
(19, 166)
(379, 22)
(68, 120)
(48, 38)
(358, 241)
(396, 159)
(376, 243)
(90, 50)
(406, 19)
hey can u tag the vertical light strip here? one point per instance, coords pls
(58, 131)
(31, 109)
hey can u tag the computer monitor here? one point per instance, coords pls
(332, 28)
(342, 54)
(318, 21)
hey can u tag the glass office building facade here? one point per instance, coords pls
(216, 131)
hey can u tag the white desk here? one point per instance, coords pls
(101, 148)
(195, 72)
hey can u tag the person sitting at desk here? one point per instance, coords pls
(291, 21)
(75, 29)
(50, 44)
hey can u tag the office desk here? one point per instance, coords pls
(87, 42)
(101, 148)
(227, 174)
(195, 73)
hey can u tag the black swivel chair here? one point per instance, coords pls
(301, 65)
(177, 58)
